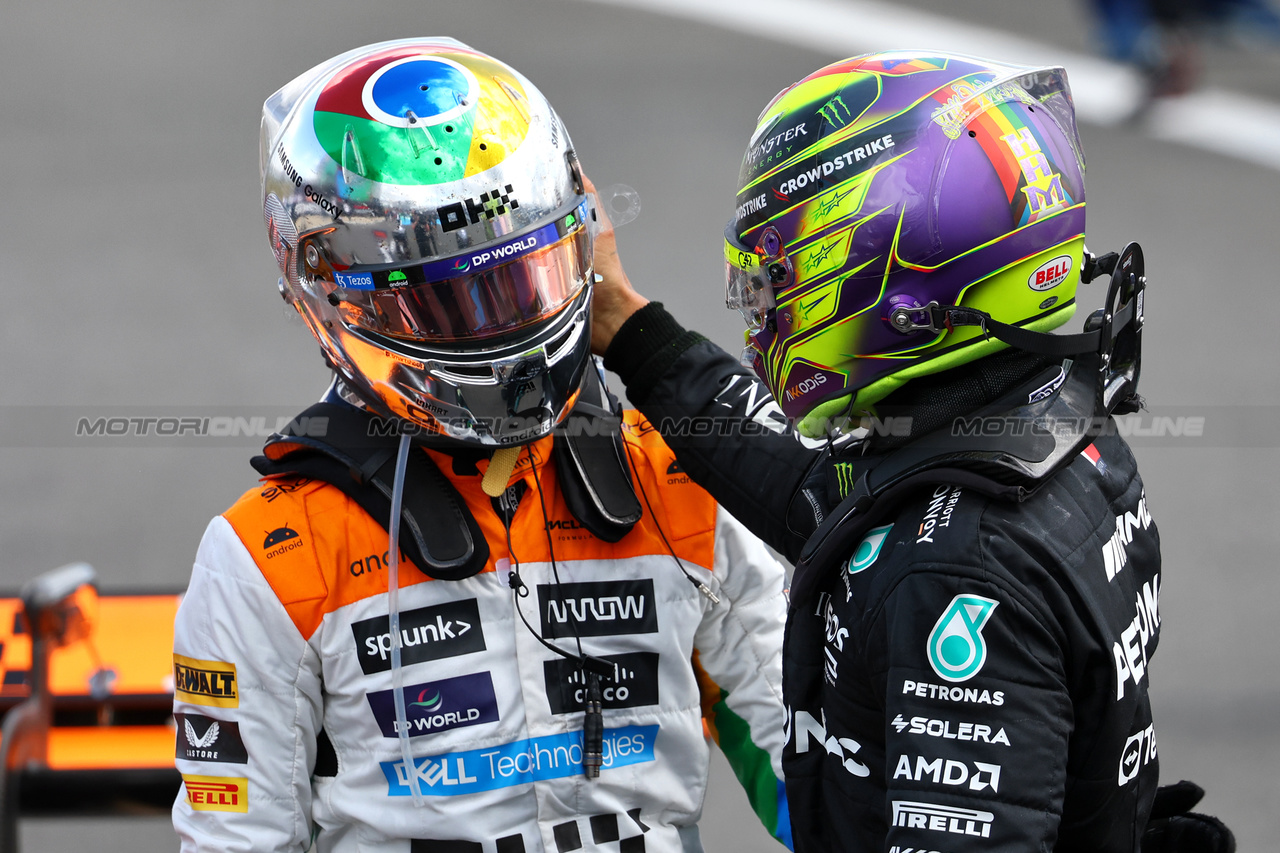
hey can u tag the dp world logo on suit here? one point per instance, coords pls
(956, 648)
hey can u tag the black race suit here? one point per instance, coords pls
(974, 675)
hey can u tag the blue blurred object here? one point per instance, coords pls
(1161, 37)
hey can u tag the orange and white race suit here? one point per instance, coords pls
(287, 733)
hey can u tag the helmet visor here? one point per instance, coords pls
(752, 274)
(493, 290)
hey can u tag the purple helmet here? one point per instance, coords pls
(881, 184)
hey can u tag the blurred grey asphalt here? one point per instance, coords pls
(137, 275)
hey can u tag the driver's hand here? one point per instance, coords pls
(614, 299)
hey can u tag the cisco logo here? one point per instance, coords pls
(635, 683)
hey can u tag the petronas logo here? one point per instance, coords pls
(868, 549)
(956, 647)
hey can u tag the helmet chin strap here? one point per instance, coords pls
(1113, 332)
(937, 318)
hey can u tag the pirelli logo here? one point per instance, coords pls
(205, 682)
(217, 793)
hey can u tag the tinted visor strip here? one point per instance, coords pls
(472, 263)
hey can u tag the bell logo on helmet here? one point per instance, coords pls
(1050, 274)
(956, 647)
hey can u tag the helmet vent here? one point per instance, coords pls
(352, 162)
(516, 99)
(412, 137)
(555, 346)
(483, 371)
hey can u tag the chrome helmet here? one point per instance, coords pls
(427, 211)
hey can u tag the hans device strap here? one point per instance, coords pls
(360, 462)
(362, 466)
(591, 463)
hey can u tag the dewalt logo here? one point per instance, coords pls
(205, 682)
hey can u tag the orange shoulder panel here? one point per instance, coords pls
(320, 551)
(315, 546)
(685, 512)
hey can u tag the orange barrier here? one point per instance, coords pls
(132, 635)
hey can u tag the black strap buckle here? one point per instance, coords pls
(935, 318)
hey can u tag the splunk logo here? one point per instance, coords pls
(635, 683)
(597, 609)
(428, 633)
(518, 763)
(436, 706)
